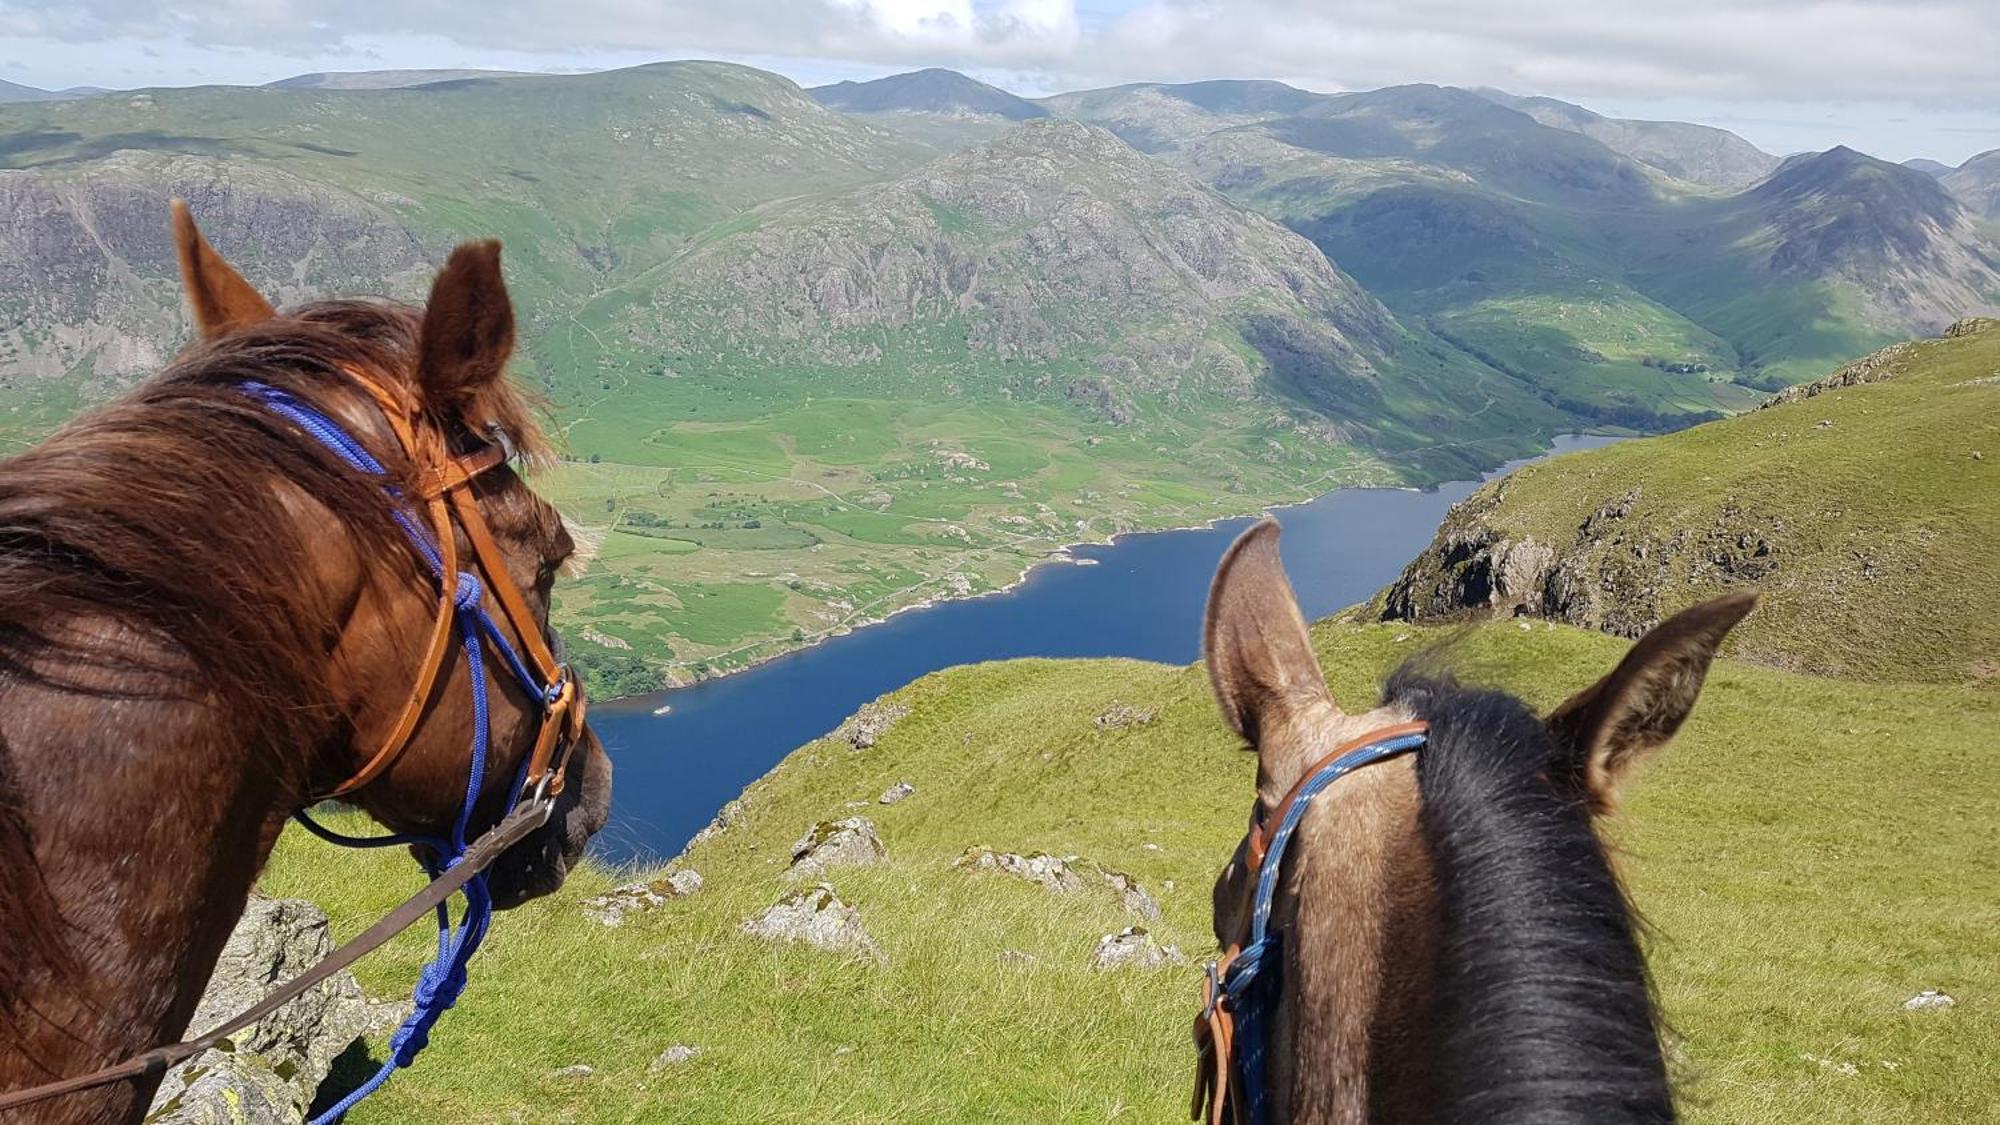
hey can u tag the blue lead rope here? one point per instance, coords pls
(443, 979)
(1253, 983)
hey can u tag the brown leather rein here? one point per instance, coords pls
(1215, 1025)
(445, 490)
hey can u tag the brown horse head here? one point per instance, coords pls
(450, 370)
(208, 620)
(1453, 944)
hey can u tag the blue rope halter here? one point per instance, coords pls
(1253, 981)
(443, 979)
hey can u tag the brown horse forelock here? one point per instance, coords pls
(149, 551)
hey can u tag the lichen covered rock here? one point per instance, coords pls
(1133, 948)
(270, 1072)
(816, 916)
(615, 905)
(868, 725)
(852, 842)
(1061, 874)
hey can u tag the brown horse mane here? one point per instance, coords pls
(147, 551)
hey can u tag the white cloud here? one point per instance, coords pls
(1652, 48)
(1873, 59)
(968, 32)
(1906, 49)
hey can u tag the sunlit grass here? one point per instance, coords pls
(1810, 853)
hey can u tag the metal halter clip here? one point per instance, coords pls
(540, 797)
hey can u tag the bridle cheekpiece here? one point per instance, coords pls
(1240, 991)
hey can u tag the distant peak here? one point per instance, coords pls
(931, 90)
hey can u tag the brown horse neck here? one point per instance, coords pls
(150, 822)
(151, 802)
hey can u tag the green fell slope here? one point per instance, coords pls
(807, 371)
(1809, 854)
(1864, 506)
(1563, 248)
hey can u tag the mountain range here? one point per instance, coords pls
(779, 328)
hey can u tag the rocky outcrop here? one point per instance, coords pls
(1874, 367)
(1120, 715)
(852, 842)
(269, 1073)
(680, 1054)
(728, 817)
(615, 905)
(816, 916)
(1609, 577)
(1134, 948)
(1471, 567)
(868, 725)
(1061, 874)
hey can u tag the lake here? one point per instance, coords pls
(1142, 597)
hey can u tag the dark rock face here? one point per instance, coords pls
(1470, 567)
(87, 271)
(1892, 232)
(1609, 577)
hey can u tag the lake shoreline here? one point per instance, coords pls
(1142, 600)
(1064, 555)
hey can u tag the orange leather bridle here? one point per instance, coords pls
(444, 490)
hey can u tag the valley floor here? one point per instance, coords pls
(709, 546)
(1809, 854)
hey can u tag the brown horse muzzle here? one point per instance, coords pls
(538, 865)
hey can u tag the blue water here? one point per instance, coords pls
(1142, 599)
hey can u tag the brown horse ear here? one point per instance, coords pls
(1260, 657)
(1610, 727)
(468, 331)
(222, 301)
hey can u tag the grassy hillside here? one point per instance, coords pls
(803, 382)
(1698, 154)
(1565, 249)
(1866, 512)
(1809, 855)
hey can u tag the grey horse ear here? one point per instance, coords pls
(1259, 654)
(1610, 727)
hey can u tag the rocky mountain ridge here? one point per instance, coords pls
(1857, 498)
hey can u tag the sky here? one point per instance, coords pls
(1894, 78)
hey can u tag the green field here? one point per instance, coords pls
(1809, 854)
(713, 544)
